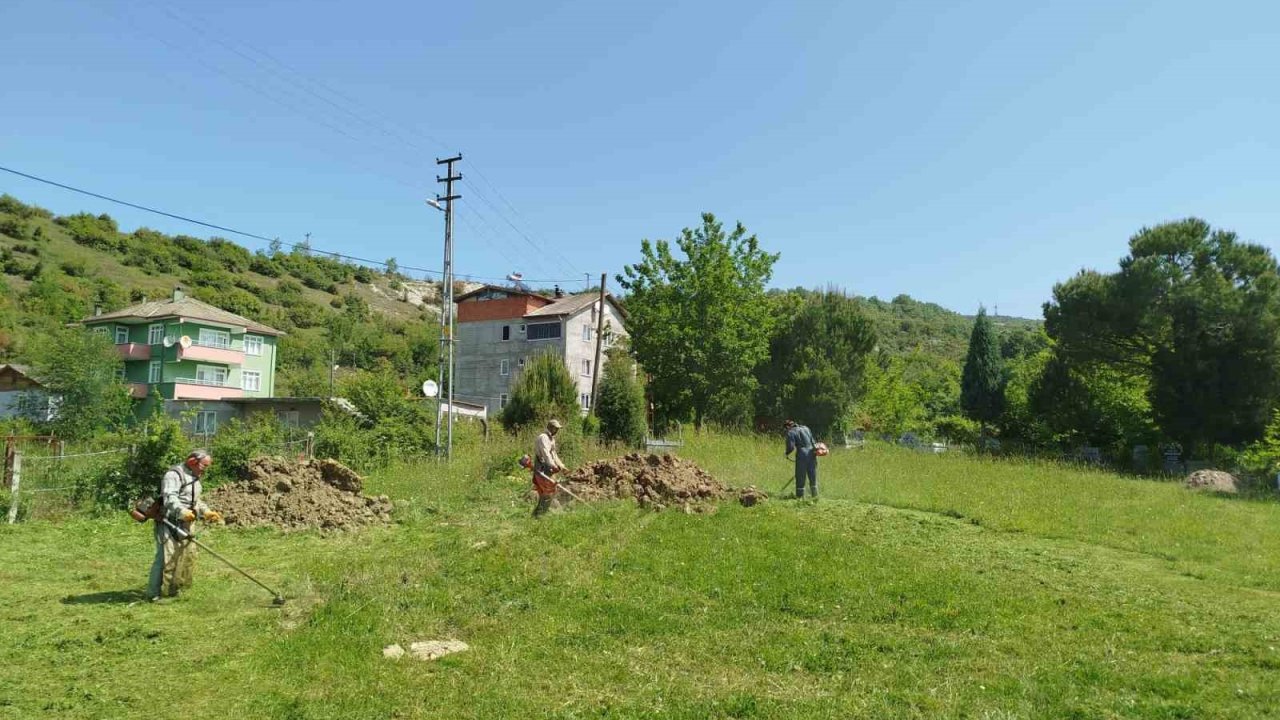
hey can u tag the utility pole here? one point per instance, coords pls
(595, 376)
(333, 368)
(446, 312)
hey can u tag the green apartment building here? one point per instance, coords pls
(193, 353)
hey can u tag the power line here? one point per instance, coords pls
(255, 236)
(387, 127)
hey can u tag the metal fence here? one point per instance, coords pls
(50, 480)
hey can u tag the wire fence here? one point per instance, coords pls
(51, 481)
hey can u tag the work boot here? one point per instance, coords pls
(544, 504)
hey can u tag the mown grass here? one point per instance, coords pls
(918, 587)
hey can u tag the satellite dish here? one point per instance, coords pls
(430, 389)
(185, 341)
(167, 342)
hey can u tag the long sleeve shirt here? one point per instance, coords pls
(800, 440)
(546, 460)
(180, 490)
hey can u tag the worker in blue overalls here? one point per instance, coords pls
(800, 440)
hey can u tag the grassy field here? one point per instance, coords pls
(919, 586)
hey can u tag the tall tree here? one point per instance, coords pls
(816, 360)
(81, 370)
(1194, 316)
(982, 381)
(699, 325)
(545, 390)
(620, 401)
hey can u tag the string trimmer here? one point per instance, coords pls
(184, 535)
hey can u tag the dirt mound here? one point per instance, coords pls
(655, 481)
(1213, 480)
(292, 495)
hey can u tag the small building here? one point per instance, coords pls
(22, 396)
(500, 329)
(193, 354)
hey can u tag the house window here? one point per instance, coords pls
(586, 333)
(503, 368)
(214, 338)
(252, 345)
(153, 372)
(206, 422)
(122, 334)
(608, 338)
(544, 331)
(520, 362)
(586, 367)
(502, 401)
(506, 333)
(155, 334)
(211, 375)
(586, 401)
(251, 380)
(120, 374)
(289, 418)
(522, 328)
(103, 331)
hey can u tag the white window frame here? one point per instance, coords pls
(504, 367)
(585, 399)
(215, 369)
(586, 332)
(502, 401)
(586, 368)
(221, 338)
(155, 371)
(205, 423)
(290, 418)
(521, 361)
(103, 330)
(253, 345)
(155, 334)
(122, 329)
(257, 380)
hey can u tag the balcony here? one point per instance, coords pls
(204, 389)
(134, 351)
(223, 354)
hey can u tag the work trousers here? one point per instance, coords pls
(172, 568)
(806, 467)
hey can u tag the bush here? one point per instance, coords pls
(157, 445)
(237, 442)
(620, 402)
(544, 391)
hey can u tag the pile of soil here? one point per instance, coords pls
(655, 481)
(291, 495)
(1212, 480)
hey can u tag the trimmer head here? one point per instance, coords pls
(279, 600)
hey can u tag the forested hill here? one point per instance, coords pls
(904, 325)
(57, 268)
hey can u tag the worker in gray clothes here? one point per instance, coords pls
(800, 440)
(175, 555)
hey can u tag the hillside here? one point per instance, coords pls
(904, 325)
(58, 268)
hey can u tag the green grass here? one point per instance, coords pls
(919, 586)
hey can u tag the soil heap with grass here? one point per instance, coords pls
(656, 482)
(291, 495)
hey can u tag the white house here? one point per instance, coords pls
(23, 396)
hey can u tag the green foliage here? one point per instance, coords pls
(156, 444)
(982, 382)
(1193, 316)
(958, 429)
(699, 325)
(816, 360)
(620, 404)
(545, 390)
(81, 370)
(237, 442)
(889, 405)
(1262, 457)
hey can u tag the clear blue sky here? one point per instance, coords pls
(957, 152)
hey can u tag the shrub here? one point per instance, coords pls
(237, 442)
(545, 390)
(620, 402)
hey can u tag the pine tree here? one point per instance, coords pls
(982, 383)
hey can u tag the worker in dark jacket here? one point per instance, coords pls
(800, 440)
(175, 555)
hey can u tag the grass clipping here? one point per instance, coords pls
(656, 482)
(291, 495)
